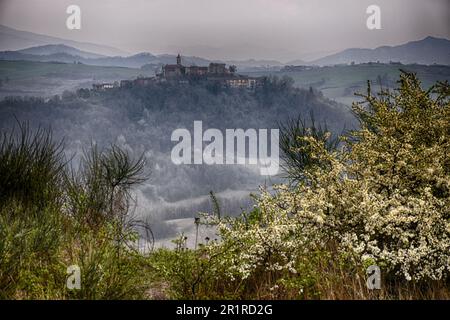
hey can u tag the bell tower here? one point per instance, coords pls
(179, 60)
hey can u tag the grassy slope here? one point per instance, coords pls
(47, 79)
(339, 82)
(29, 69)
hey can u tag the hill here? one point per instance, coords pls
(52, 49)
(47, 78)
(427, 51)
(12, 39)
(67, 54)
(340, 82)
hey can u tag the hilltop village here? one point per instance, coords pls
(178, 73)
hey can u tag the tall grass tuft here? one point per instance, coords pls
(31, 167)
(52, 217)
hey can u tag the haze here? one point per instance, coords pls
(233, 29)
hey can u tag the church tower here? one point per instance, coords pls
(179, 60)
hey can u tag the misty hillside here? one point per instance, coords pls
(51, 49)
(12, 39)
(70, 55)
(67, 54)
(23, 45)
(340, 82)
(426, 51)
(142, 119)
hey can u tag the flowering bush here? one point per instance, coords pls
(383, 197)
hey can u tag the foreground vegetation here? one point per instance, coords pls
(376, 196)
(379, 197)
(53, 217)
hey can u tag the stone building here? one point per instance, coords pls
(217, 68)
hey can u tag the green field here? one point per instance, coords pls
(47, 78)
(16, 70)
(340, 82)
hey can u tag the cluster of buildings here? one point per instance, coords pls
(215, 72)
(174, 71)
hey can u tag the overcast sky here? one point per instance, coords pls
(233, 29)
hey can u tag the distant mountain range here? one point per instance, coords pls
(12, 39)
(23, 45)
(53, 49)
(66, 54)
(426, 51)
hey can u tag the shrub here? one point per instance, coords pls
(382, 198)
